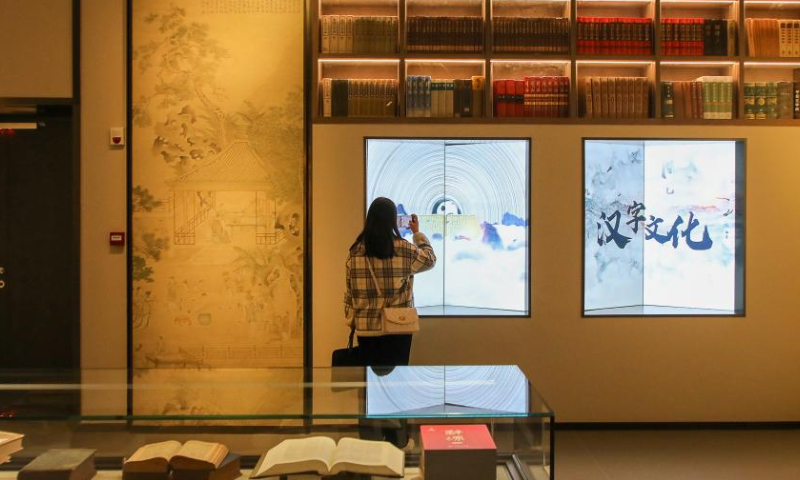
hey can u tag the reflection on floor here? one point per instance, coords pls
(654, 310)
(455, 311)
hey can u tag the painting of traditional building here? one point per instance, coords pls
(217, 164)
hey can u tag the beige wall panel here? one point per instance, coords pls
(103, 204)
(36, 48)
(597, 369)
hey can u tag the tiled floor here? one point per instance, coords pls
(678, 455)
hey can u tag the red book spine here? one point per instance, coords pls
(528, 96)
(519, 106)
(565, 97)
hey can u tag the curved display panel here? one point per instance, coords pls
(472, 200)
(663, 227)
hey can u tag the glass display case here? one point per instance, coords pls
(252, 410)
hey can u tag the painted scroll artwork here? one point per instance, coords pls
(662, 233)
(217, 195)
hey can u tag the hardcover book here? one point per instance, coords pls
(458, 452)
(323, 456)
(60, 464)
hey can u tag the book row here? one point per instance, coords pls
(769, 37)
(771, 100)
(698, 36)
(615, 36)
(359, 98)
(540, 96)
(445, 34)
(444, 98)
(708, 97)
(358, 34)
(617, 97)
(531, 35)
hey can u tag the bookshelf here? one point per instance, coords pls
(517, 54)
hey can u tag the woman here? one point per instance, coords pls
(394, 261)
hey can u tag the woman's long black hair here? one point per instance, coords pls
(380, 229)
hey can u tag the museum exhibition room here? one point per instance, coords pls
(399, 239)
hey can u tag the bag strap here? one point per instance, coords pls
(352, 335)
(375, 279)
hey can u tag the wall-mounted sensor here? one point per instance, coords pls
(117, 136)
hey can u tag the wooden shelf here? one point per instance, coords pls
(658, 67)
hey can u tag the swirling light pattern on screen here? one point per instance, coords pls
(483, 178)
(436, 390)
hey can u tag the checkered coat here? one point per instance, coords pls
(362, 304)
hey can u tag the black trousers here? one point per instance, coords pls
(385, 351)
(377, 352)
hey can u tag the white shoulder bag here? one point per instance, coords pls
(395, 320)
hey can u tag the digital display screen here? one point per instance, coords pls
(663, 231)
(438, 390)
(472, 200)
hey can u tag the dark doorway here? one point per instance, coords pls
(39, 249)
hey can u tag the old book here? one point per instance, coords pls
(749, 101)
(478, 83)
(325, 34)
(10, 442)
(229, 469)
(60, 464)
(163, 456)
(458, 452)
(323, 456)
(785, 102)
(667, 103)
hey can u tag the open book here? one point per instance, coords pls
(9, 443)
(160, 457)
(323, 456)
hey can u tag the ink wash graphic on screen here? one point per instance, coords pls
(663, 228)
(471, 197)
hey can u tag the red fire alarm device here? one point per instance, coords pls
(116, 239)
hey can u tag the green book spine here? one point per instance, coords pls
(728, 89)
(667, 100)
(749, 101)
(761, 101)
(772, 100)
(708, 100)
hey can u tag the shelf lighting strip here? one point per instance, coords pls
(772, 64)
(544, 62)
(615, 62)
(444, 60)
(699, 64)
(701, 2)
(359, 60)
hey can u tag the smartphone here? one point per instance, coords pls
(403, 221)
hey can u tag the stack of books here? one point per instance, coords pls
(359, 98)
(444, 98)
(615, 36)
(445, 34)
(770, 37)
(771, 100)
(617, 97)
(534, 96)
(698, 36)
(358, 34)
(531, 35)
(707, 97)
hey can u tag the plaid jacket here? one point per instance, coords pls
(362, 304)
